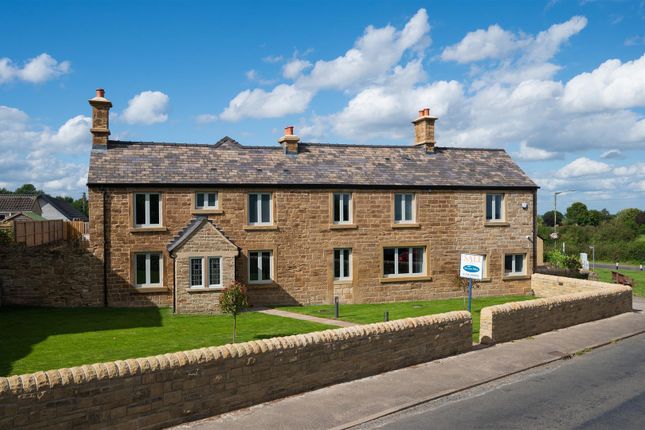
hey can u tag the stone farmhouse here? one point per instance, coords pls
(302, 223)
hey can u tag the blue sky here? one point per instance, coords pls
(559, 84)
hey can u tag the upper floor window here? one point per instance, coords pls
(206, 200)
(342, 208)
(148, 269)
(260, 266)
(342, 264)
(147, 209)
(404, 261)
(494, 207)
(404, 208)
(514, 264)
(260, 208)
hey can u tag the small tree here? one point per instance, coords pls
(233, 301)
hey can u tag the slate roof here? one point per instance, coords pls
(29, 214)
(228, 163)
(17, 202)
(69, 211)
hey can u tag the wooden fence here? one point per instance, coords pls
(34, 233)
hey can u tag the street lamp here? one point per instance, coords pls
(555, 210)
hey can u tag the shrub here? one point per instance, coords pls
(561, 260)
(234, 300)
(6, 236)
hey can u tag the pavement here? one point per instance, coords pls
(354, 403)
(601, 389)
(303, 317)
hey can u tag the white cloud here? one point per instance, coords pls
(374, 55)
(258, 103)
(495, 42)
(272, 59)
(583, 166)
(147, 107)
(206, 118)
(36, 70)
(294, 68)
(637, 169)
(613, 85)
(54, 160)
(528, 153)
(612, 154)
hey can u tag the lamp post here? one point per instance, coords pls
(555, 210)
(593, 257)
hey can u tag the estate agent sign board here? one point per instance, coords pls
(472, 266)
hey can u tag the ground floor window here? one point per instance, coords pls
(514, 264)
(260, 266)
(205, 269)
(404, 261)
(148, 269)
(342, 264)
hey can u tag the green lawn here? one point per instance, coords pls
(41, 339)
(371, 313)
(637, 276)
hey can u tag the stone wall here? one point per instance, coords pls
(159, 391)
(517, 320)
(303, 239)
(55, 274)
(551, 286)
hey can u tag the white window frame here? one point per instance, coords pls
(494, 214)
(148, 284)
(341, 209)
(345, 253)
(221, 274)
(513, 272)
(413, 208)
(206, 205)
(190, 272)
(396, 273)
(147, 210)
(271, 268)
(258, 203)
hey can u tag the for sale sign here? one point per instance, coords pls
(472, 266)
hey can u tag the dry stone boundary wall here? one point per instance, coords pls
(566, 302)
(159, 391)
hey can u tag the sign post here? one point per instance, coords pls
(471, 267)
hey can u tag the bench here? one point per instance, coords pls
(619, 278)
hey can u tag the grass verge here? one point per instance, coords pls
(371, 313)
(638, 277)
(33, 339)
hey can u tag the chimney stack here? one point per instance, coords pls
(100, 119)
(289, 141)
(424, 130)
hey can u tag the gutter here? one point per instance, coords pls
(174, 284)
(105, 249)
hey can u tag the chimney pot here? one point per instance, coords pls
(289, 141)
(288, 131)
(421, 113)
(426, 112)
(100, 92)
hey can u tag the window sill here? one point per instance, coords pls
(406, 225)
(405, 279)
(147, 229)
(205, 290)
(261, 285)
(208, 211)
(497, 224)
(146, 290)
(343, 281)
(260, 227)
(515, 277)
(342, 226)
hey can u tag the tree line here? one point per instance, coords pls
(616, 237)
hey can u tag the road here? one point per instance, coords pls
(613, 266)
(601, 389)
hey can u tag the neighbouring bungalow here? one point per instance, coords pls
(302, 222)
